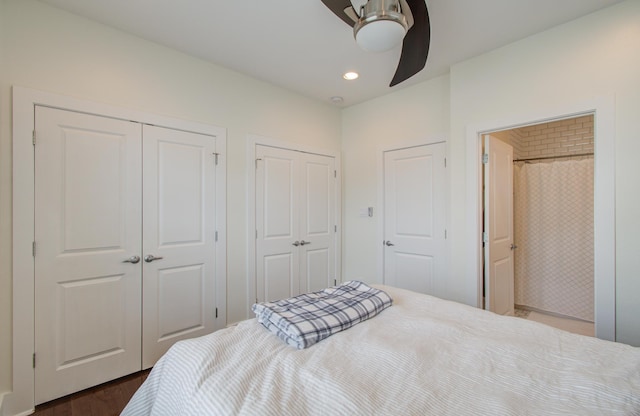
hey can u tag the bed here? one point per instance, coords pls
(421, 356)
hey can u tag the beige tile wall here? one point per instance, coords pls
(558, 138)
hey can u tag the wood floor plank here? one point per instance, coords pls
(107, 399)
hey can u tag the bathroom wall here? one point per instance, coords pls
(557, 138)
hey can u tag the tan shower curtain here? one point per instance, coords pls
(553, 222)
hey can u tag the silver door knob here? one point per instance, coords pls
(297, 243)
(513, 246)
(150, 257)
(304, 242)
(388, 243)
(132, 259)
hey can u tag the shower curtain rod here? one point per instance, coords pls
(553, 157)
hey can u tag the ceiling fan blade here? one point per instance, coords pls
(415, 46)
(338, 8)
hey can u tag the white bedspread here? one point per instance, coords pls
(421, 356)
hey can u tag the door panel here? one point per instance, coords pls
(91, 296)
(318, 175)
(414, 218)
(280, 204)
(498, 225)
(181, 178)
(179, 226)
(180, 292)
(502, 290)
(279, 275)
(318, 271)
(414, 272)
(87, 222)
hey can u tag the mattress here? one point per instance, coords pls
(421, 356)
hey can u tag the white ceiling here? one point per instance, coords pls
(300, 45)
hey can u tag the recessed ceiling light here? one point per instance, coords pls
(350, 76)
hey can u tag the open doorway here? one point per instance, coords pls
(603, 110)
(552, 245)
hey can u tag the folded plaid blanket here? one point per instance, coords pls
(303, 320)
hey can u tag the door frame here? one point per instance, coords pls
(21, 400)
(256, 140)
(603, 110)
(380, 170)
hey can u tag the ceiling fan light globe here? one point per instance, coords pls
(379, 35)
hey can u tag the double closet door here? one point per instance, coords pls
(124, 246)
(295, 222)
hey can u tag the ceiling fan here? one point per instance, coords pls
(379, 25)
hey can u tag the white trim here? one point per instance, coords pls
(253, 141)
(221, 228)
(380, 174)
(603, 109)
(24, 102)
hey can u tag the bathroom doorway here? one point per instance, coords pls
(553, 222)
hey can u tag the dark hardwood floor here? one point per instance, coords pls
(107, 399)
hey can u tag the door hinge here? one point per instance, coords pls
(256, 234)
(485, 158)
(485, 237)
(216, 236)
(335, 282)
(34, 360)
(257, 163)
(33, 249)
(216, 312)
(445, 162)
(445, 233)
(335, 173)
(335, 228)
(33, 137)
(216, 157)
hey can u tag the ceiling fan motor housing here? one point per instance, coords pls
(389, 29)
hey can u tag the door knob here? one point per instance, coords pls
(513, 246)
(304, 242)
(388, 243)
(150, 257)
(297, 243)
(132, 259)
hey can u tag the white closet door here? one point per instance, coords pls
(414, 218)
(317, 222)
(179, 232)
(277, 223)
(87, 222)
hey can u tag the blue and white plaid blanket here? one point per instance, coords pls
(303, 320)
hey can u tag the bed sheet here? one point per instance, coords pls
(423, 355)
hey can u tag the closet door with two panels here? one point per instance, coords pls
(295, 222)
(123, 246)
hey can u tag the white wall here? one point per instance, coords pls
(415, 114)
(50, 50)
(594, 56)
